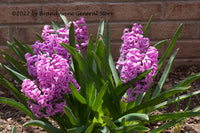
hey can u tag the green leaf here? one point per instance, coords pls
(169, 116)
(159, 44)
(16, 51)
(139, 129)
(70, 115)
(147, 27)
(113, 69)
(107, 42)
(112, 94)
(131, 128)
(174, 100)
(84, 66)
(17, 76)
(100, 31)
(76, 94)
(90, 128)
(48, 127)
(14, 130)
(76, 129)
(162, 97)
(29, 49)
(121, 89)
(17, 105)
(78, 73)
(102, 69)
(98, 100)
(91, 92)
(40, 38)
(89, 51)
(109, 122)
(72, 35)
(166, 126)
(16, 92)
(187, 80)
(133, 117)
(140, 98)
(64, 19)
(170, 47)
(56, 26)
(16, 64)
(164, 75)
(22, 48)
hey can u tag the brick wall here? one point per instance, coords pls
(24, 18)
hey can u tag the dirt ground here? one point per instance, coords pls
(10, 116)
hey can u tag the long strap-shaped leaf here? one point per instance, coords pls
(187, 80)
(170, 47)
(133, 117)
(64, 19)
(147, 27)
(160, 43)
(21, 47)
(71, 116)
(76, 94)
(17, 76)
(164, 75)
(13, 89)
(17, 105)
(109, 122)
(17, 51)
(16, 64)
(162, 97)
(48, 127)
(98, 100)
(131, 128)
(165, 126)
(100, 32)
(174, 100)
(90, 128)
(169, 116)
(121, 89)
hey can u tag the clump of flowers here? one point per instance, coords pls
(52, 38)
(136, 57)
(50, 69)
(47, 90)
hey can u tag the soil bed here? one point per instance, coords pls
(10, 116)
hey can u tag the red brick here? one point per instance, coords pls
(158, 31)
(130, 0)
(116, 31)
(187, 62)
(198, 32)
(182, 11)
(28, 34)
(4, 35)
(188, 49)
(43, 1)
(18, 14)
(115, 50)
(3, 1)
(73, 12)
(93, 29)
(133, 11)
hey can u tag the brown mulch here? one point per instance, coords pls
(9, 116)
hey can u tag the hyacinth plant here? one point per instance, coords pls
(92, 93)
